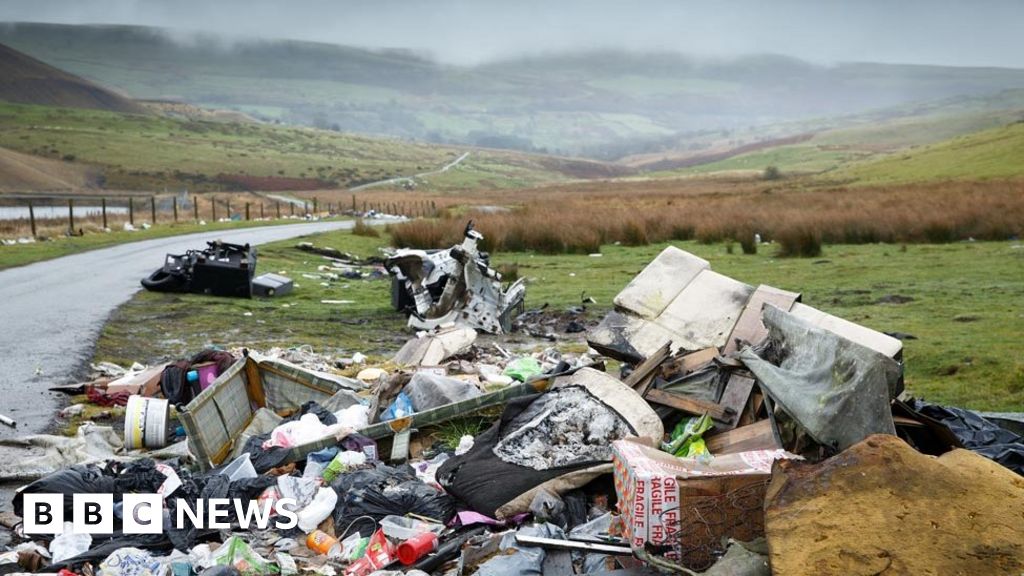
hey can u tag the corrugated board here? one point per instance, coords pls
(682, 508)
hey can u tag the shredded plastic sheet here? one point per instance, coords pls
(565, 427)
(427, 390)
(978, 434)
(35, 456)
(836, 389)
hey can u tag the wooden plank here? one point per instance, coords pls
(749, 415)
(688, 404)
(749, 327)
(254, 383)
(734, 397)
(905, 421)
(690, 362)
(642, 376)
(757, 436)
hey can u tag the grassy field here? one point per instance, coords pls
(989, 154)
(790, 159)
(859, 142)
(138, 152)
(966, 306)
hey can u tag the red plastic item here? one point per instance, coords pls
(416, 547)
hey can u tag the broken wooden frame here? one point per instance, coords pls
(215, 419)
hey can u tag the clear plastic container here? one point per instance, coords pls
(404, 528)
(240, 468)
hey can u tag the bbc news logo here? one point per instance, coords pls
(143, 513)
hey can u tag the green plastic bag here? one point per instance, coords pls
(523, 368)
(236, 552)
(686, 438)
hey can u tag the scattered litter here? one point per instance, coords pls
(740, 425)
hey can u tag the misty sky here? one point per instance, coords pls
(967, 33)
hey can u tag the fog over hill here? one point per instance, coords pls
(600, 79)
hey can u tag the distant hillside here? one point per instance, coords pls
(27, 80)
(27, 173)
(990, 154)
(827, 144)
(150, 152)
(600, 104)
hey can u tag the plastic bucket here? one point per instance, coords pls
(145, 422)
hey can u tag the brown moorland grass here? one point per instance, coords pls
(567, 219)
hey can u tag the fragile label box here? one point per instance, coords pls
(682, 508)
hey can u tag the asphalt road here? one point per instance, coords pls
(51, 313)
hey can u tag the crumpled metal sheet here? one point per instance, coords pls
(837, 389)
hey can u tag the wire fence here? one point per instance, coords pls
(47, 216)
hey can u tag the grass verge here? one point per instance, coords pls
(22, 254)
(963, 303)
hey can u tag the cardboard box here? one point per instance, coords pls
(681, 508)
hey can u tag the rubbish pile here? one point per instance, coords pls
(739, 431)
(220, 269)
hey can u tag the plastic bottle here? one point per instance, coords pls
(416, 547)
(323, 543)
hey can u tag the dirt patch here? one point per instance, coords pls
(882, 507)
(894, 299)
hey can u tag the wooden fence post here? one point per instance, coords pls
(247, 211)
(32, 218)
(314, 205)
(152, 210)
(103, 206)
(71, 217)
(227, 207)
(174, 202)
(277, 204)
(261, 211)
(213, 207)
(195, 208)
(131, 211)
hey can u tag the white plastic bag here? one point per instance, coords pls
(68, 544)
(318, 510)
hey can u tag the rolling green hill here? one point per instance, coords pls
(148, 152)
(599, 104)
(830, 144)
(27, 80)
(990, 154)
